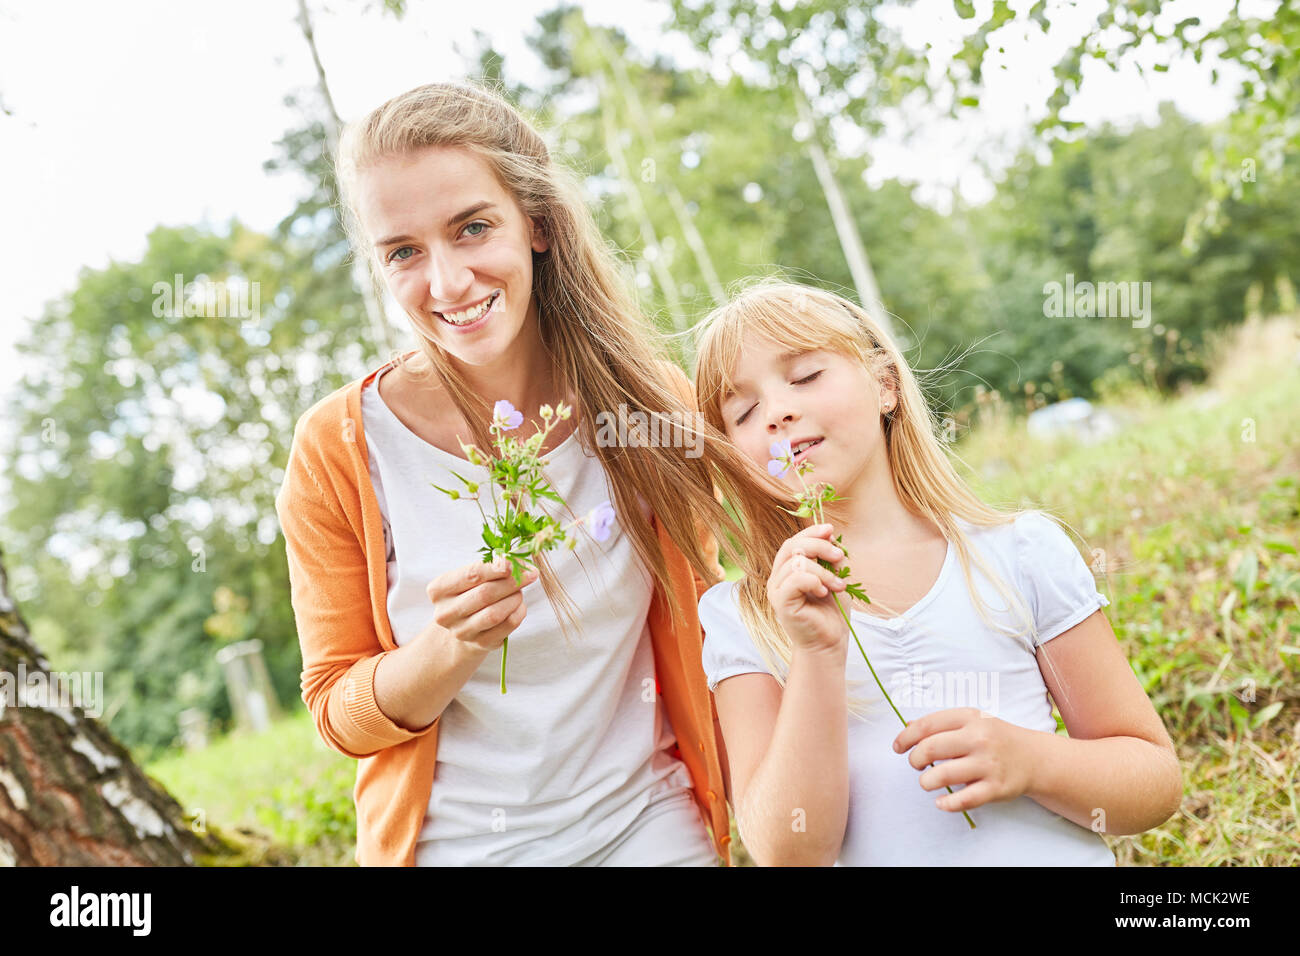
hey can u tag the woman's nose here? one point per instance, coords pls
(449, 279)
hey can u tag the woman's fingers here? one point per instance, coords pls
(459, 597)
(489, 626)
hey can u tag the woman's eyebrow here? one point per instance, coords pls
(461, 216)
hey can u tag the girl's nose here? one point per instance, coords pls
(786, 419)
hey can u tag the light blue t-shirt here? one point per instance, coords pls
(938, 655)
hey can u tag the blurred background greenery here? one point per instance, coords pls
(144, 460)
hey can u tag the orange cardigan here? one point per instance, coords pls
(334, 540)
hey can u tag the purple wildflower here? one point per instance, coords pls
(602, 520)
(506, 416)
(782, 458)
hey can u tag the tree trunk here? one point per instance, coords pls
(372, 296)
(864, 277)
(70, 795)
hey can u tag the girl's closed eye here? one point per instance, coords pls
(803, 381)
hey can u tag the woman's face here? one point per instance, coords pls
(820, 397)
(454, 247)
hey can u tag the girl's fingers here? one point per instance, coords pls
(817, 532)
(967, 798)
(808, 547)
(827, 577)
(941, 746)
(806, 577)
(950, 773)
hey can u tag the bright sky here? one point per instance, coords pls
(131, 114)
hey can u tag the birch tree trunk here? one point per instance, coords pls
(70, 795)
(864, 279)
(371, 294)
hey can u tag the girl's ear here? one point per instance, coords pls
(539, 241)
(888, 378)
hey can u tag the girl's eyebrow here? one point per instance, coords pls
(739, 384)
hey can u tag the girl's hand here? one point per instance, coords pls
(801, 590)
(479, 604)
(982, 752)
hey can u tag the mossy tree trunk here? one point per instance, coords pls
(70, 794)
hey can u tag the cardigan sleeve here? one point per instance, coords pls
(330, 594)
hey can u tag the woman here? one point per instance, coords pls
(455, 203)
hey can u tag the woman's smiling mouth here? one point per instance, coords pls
(471, 316)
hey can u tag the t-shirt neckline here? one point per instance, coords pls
(900, 620)
(391, 415)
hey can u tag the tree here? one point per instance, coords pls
(150, 431)
(70, 795)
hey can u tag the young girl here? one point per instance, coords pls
(975, 617)
(603, 751)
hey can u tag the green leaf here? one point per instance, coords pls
(450, 494)
(1247, 573)
(1282, 546)
(1265, 715)
(1240, 716)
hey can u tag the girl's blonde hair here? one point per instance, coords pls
(604, 352)
(802, 318)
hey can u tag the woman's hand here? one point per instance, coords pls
(982, 752)
(479, 604)
(802, 591)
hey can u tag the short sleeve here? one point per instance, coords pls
(1057, 585)
(728, 648)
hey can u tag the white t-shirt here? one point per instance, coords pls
(554, 770)
(938, 655)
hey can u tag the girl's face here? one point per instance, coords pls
(454, 247)
(822, 397)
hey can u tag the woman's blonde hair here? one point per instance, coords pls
(803, 318)
(604, 352)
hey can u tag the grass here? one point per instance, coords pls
(282, 794)
(1190, 516)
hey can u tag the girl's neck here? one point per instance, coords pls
(871, 513)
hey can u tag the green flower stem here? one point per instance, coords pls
(816, 504)
(845, 615)
(505, 645)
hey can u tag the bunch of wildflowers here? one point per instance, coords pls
(811, 504)
(513, 531)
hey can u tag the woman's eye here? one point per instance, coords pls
(394, 254)
(809, 378)
(480, 225)
(741, 419)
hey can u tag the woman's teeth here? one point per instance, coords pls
(470, 315)
(804, 446)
